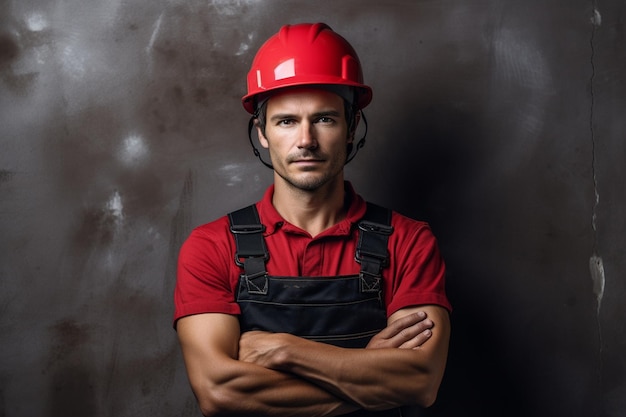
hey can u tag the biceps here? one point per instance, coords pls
(207, 341)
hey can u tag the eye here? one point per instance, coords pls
(325, 120)
(285, 122)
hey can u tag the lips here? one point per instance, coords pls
(305, 158)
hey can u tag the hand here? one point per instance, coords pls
(407, 332)
(259, 347)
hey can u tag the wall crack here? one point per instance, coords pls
(596, 265)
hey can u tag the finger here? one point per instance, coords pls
(409, 337)
(413, 331)
(402, 323)
(418, 340)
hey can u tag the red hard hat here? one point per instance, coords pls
(305, 54)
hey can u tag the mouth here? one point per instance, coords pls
(307, 161)
(307, 164)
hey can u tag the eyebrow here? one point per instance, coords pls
(282, 116)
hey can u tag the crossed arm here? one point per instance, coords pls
(260, 373)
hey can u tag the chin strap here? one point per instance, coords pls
(255, 150)
(359, 144)
(349, 158)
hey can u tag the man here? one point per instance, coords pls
(311, 302)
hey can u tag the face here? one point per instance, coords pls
(307, 136)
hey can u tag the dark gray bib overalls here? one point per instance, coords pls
(344, 311)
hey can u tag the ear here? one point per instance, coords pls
(262, 139)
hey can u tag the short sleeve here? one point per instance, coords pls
(418, 271)
(204, 281)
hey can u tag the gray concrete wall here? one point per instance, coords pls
(500, 122)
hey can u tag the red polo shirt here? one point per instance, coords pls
(208, 276)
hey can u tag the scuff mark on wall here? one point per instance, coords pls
(133, 150)
(596, 19)
(6, 175)
(153, 37)
(115, 208)
(596, 267)
(232, 173)
(36, 22)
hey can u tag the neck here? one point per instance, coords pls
(312, 211)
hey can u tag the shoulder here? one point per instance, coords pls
(208, 242)
(411, 234)
(216, 229)
(214, 236)
(404, 223)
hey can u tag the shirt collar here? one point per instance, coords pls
(274, 221)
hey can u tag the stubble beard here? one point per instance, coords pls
(313, 182)
(308, 184)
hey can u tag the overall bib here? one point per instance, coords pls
(344, 311)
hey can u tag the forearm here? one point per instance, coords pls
(399, 367)
(225, 385)
(376, 379)
(247, 389)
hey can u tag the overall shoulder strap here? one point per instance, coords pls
(247, 230)
(374, 231)
(371, 252)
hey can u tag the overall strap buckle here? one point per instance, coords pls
(371, 252)
(247, 229)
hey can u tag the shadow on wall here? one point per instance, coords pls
(435, 175)
(72, 386)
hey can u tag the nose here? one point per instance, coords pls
(307, 138)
